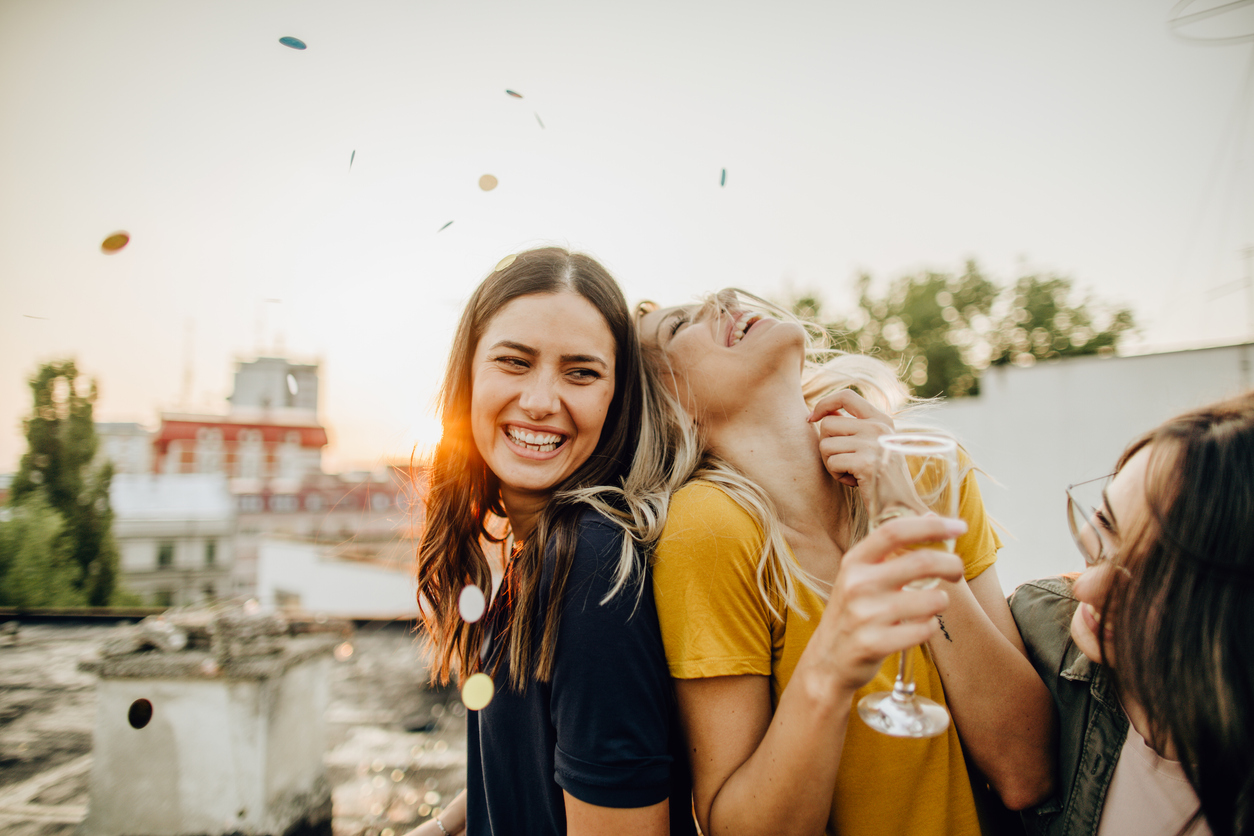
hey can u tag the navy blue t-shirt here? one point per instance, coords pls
(604, 728)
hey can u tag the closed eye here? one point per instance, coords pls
(515, 363)
(679, 321)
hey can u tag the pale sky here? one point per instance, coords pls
(1082, 138)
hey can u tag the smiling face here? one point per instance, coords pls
(717, 353)
(1124, 512)
(542, 380)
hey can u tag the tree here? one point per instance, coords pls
(943, 330)
(57, 476)
(36, 569)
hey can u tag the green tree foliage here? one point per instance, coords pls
(57, 477)
(942, 330)
(35, 566)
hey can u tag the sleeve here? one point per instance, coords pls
(714, 619)
(610, 697)
(978, 547)
(1042, 611)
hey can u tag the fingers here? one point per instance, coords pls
(894, 536)
(852, 403)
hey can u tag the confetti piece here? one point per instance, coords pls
(487, 182)
(515, 95)
(501, 265)
(352, 157)
(115, 242)
(294, 43)
(343, 651)
(471, 604)
(538, 120)
(446, 226)
(478, 691)
(292, 385)
(723, 180)
(28, 316)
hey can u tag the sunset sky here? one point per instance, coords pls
(1072, 137)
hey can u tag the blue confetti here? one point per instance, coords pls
(294, 43)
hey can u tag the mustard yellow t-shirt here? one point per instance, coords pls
(716, 623)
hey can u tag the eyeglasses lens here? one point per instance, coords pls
(1083, 500)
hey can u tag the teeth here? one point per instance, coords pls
(540, 442)
(742, 324)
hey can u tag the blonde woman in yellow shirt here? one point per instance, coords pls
(779, 612)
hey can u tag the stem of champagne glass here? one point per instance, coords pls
(903, 688)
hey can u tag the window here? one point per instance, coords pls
(211, 552)
(165, 558)
(250, 503)
(211, 594)
(163, 598)
(284, 503)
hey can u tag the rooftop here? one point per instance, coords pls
(396, 748)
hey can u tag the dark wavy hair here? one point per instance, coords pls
(463, 497)
(1183, 614)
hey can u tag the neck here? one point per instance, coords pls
(772, 442)
(523, 511)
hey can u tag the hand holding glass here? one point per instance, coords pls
(916, 474)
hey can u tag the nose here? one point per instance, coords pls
(1093, 584)
(539, 397)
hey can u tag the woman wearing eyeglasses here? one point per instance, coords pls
(1149, 653)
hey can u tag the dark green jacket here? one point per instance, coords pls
(1091, 723)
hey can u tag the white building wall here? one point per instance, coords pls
(1039, 429)
(324, 584)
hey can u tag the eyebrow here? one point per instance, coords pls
(565, 358)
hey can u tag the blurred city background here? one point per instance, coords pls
(230, 268)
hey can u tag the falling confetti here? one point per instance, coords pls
(538, 120)
(487, 182)
(343, 651)
(115, 242)
(515, 95)
(471, 602)
(477, 692)
(294, 43)
(446, 226)
(352, 157)
(28, 316)
(723, 180)
(500, 265)
(292, 386)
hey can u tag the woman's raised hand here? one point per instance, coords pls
(869, 615)
(849, 430)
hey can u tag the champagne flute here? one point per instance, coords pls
(916, 474)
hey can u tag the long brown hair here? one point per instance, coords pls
(1183, 613)
(463, 496)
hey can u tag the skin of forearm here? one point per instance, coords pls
(786, 786)
(1000, 707)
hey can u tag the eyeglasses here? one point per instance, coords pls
(1089, 525)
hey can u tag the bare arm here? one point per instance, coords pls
(757, 773)
(1000, 707)
(453, 817)
(1002, 710)
(583, 819)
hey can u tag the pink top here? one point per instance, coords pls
(1148, 794)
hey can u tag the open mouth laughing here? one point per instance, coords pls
(742, 324)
